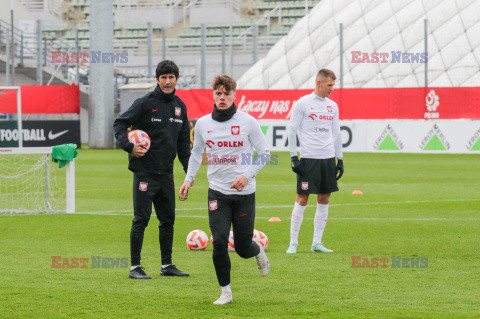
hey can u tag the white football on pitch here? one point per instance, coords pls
(197, 240)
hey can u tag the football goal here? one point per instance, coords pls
(29, 181)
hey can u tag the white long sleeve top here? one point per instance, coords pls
(316, 120)
(229, 150)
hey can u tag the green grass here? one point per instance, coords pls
(412, 206)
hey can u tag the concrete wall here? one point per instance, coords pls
(212, 14)
(128, 97)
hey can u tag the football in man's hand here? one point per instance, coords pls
(139, 137)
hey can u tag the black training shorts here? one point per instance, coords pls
(319, 177)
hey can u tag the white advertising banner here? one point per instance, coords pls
(404, 136)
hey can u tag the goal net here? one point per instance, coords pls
(31, 183)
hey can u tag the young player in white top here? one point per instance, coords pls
(316, 120)
(229, 138)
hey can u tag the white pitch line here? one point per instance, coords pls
(311, 218)
(336, 205)
(196, 186)
(117, 212)
(292, 185)
(263, 217)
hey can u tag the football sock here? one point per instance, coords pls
(319, 223)
(296, 222)
(165, 266)
(133, 267)
(226, 290)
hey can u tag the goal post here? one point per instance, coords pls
(31, 183)
(19, 110)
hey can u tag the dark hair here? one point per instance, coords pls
(166, 67)
(326, 73)
(226, 81)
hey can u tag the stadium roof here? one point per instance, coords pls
(376, 26)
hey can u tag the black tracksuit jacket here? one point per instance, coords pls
(164, 118)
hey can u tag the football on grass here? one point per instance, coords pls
(197, 240)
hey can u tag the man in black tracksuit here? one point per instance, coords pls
(163, 116)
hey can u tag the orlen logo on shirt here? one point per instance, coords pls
(211, 143)
(314, 117)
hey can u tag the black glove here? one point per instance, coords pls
(297, 166)
(339, 169)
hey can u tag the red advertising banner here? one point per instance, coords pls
(42, 99)
(409, 103)
(261, 104)
(395, 103)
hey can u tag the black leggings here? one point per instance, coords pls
(226, 210)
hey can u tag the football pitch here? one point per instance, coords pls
(418, 217)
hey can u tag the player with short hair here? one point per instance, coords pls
(163, 116)
(316, 119)
(229, 136)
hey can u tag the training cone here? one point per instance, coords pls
(274, 219)
(357, 192)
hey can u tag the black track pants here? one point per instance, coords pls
(224, 211)
(159, 190)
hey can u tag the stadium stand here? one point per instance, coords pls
(289, 13)
(183, 35)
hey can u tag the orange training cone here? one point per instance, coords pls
(357, 192)
(274, 219)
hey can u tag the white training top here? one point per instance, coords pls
(229, 149)
(316, 120)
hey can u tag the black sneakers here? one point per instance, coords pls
(138, 273)
(173, 271)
